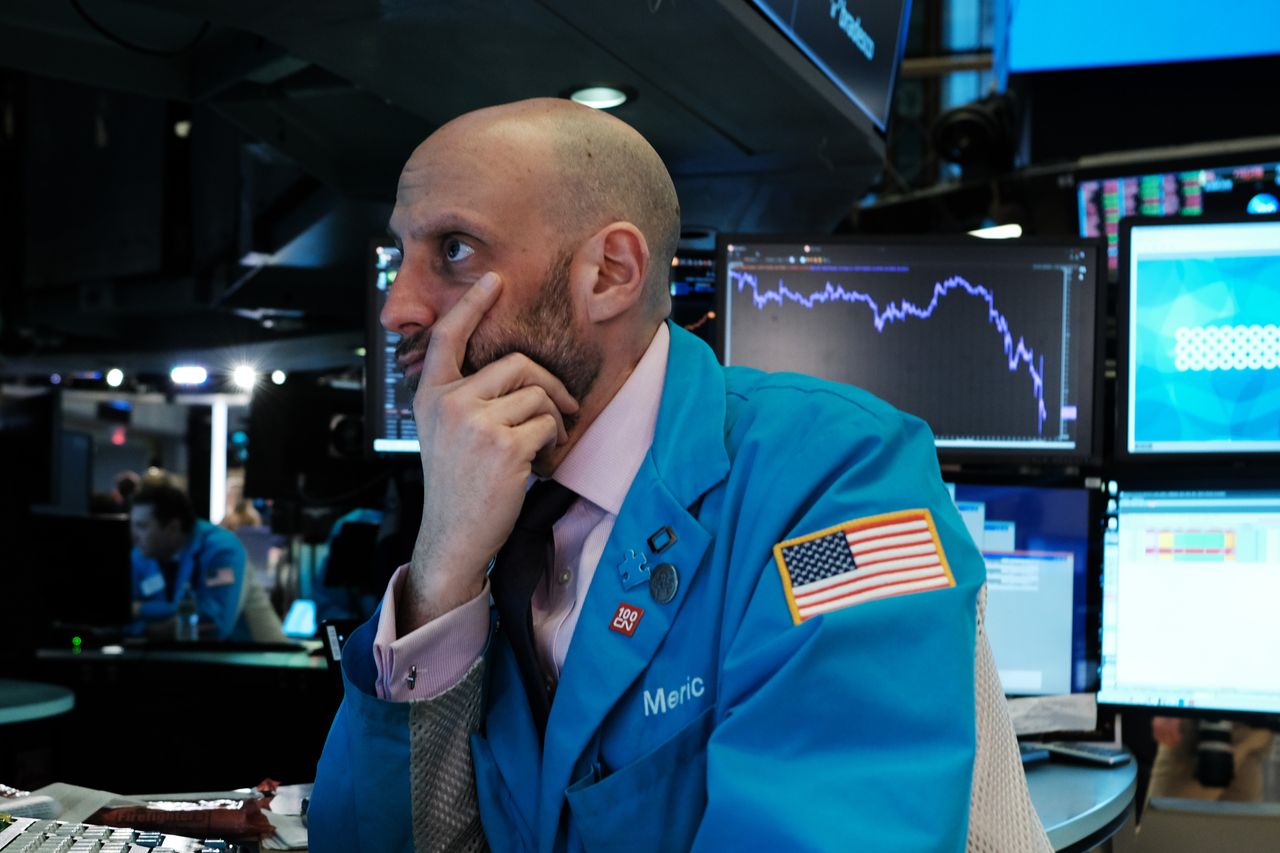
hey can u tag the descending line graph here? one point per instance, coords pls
(1017, 353)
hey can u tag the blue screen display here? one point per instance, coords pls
(1035, 542)
(1049, 35)
(1204, 340)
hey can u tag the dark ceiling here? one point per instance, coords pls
(123, 237)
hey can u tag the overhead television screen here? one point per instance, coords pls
(857, 44)
(1187, 191)
(1049, 35)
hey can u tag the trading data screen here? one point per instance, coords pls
(990, 342)
(1035, 542)
(1226, 191)
(389, 405)
(1202, 373)
(693, 293)
(1189, 596)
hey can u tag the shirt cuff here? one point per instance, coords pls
(432, 658)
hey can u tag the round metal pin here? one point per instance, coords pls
(663, 583)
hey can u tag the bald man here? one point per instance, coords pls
(755, 612)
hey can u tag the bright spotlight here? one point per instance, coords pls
(115, 377)
(188, 374)
(244, 376)
(278, 377)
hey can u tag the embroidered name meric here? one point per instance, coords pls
(662, 700)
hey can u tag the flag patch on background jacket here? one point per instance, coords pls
(862, 560)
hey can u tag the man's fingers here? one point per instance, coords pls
(525, 404)
(517, 371)
(537, 433)
(449, 336)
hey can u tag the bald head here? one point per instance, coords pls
(590, 169)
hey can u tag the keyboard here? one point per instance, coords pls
(31, 835)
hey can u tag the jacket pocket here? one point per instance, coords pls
(654, 803)
(503, 826)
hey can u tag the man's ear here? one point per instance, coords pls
(618, 256)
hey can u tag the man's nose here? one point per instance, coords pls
(411, 302)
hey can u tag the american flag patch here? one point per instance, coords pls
(862, 560)
(220, 577)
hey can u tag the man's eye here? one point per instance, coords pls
(455, 250)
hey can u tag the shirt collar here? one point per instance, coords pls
(601, 466)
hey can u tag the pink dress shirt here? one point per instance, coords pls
(599, 468)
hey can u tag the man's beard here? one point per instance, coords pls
(543, 331)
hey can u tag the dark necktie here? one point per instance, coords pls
(522, 563)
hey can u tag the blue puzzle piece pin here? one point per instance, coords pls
(634, 569)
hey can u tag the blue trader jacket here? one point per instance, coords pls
(721, 722)
(202, 563)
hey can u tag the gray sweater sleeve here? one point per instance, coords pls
(446, 814)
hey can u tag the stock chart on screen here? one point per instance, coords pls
(992, 343)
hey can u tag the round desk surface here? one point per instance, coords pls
(30, 700)
(1075, 801)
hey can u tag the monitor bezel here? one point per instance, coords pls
(1193, 463)
(1172, 481)
(1087, 456)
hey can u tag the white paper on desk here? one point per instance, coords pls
(1074, 712)
(288, 798)
(291, 832)
(78, 803)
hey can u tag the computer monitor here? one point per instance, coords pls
(30, 451)
(693, 293)
(993, 343)
(1036, 543)
(1191, 601)
(388, 402)
(1199, 340)
(84, 568)
(306, 443)
(1181, 190)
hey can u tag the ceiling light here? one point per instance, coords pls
(244, 376)
(599, 97)
(999, 232)
(278, 377)
(115, 377)
(182, 129)
(188, 374)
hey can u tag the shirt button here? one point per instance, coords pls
(565, 577)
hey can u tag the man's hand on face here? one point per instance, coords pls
(479, 436)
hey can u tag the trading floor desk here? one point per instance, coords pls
(1081, 806)
(148, 720)
(21, 701)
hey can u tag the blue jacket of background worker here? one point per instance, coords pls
(203, 563)
(721, 722)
